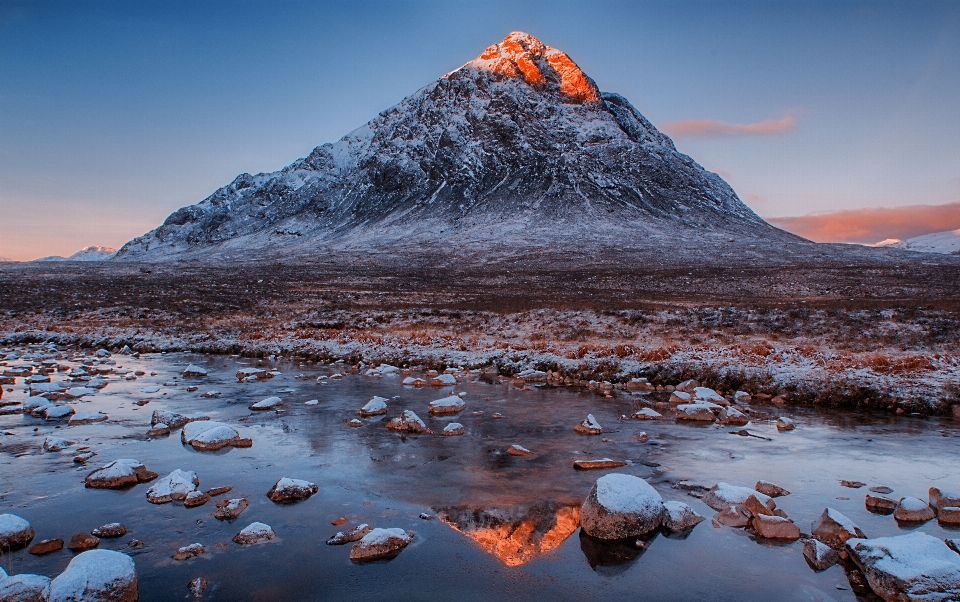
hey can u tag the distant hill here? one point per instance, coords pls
(93, 253)
(947, 243)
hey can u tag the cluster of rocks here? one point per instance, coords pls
(371, 543)
(750, 508)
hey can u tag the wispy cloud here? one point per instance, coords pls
(703, 128)
(871, 225)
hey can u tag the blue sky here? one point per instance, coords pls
(112, 115)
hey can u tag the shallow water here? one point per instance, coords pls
(509, 523)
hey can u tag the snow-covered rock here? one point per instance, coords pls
(733, 417)
(253, 373)
(15, 532)
(380, 543)
(174, 486)
(597, 464)
(211, 436)
(770, 490)
(913, 510)
(55, 444)
(195, 498)
(589, 426)
(696, 412)
(621, 506)
(742, 397)
(174, 420)
(819, 555)
(96, 575)
(355, 534)
(57, 412)
(912, 567)
(191, 551)
(268, 403)
(647, 414)
(709, 395)
(723, 495)
(230, 509)
(447, 405)
(374, 407)
(110, 530)
(79, 418)
(254, 533)
(940, 498)
(194, 370)
(407, 422)
(785, 424)
(834, 528)
(680, 397)
(24, 588)
(443, 380)
(119, 473)
(679, 517)
(688, 386)
(289, 490)
(453, 429)
(519, 450)
(412, 381)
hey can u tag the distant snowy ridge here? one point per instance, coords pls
(515, 149)
(92, 253)
(947, 243)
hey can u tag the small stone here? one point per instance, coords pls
(290, 490)
(82, 458)
(215, 491)
(338, 521)
(641, 437)
(268, 403)
(453, 429)
(45, 546)
(679, 517)
(785, 424)
(589, 426)
(83, 541)
(135, 543)
(110, 530)
(254, 533)
(191, 551)
(851, 484)
(354, 423)
(881, 489)
(380, 543)
(819, 555)
(230, 509)
(497, 415)
(913, 510)
(197, 586)
(355, 534)
(602, 463)
(771, 490)
(425, 516)
(375, 407)
(195, 498)
(647, 414)
(407, 422)
(159, 430)
(879, 504)
(451, 404)
(55, 444)
(519, 450)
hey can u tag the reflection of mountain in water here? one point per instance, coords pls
(515, 535)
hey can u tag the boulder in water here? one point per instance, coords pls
(620, 506)
(96, 575)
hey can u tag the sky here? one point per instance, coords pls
(115, 114)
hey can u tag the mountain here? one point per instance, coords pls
(93, 253)
(516, 149)
(939, 242)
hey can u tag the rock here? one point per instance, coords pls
(211, 436)
(197, 586)
(879, 504)
(407, 422)
(723, 495)
(97, 382)
(269, 403)
(254, 533)
(195, 498)
(210, 394)
(639, 384)
(915, 566)
(78, 392)
(83, 457)
(642, 437)
(443, 380)
(159, 430)
(647, 414)
(291, 490)
(755, 507)
(45, 546)
(230, 509)
(589, 426)
(87, 418)
(732, 516)
(519, 450)
(770, 490)
(174, 421)
(354, 423)
(215, 491)
(380, 543)
(585, 464)
(186, 552)
(24, 588)
(193, 370)
(785, 424)
(448, 405)
(742, 397)
(709, 396)
(54, 412)
(688, 386)
(680, 397)
(819, 555)
(881, 489)
(355, 534)
(851, 484)
(81, 542)
(697, 412)
(679, 517)
(452, 429)
(913, 510)
(374, 407)
(939, 498)
(734, 417)
(119, 473)
(834, 529)
(94, 576)
(55, 444)
(110, 530)
(413, 382)
(774, 527)
(621, 506)
(253, 373)
(949, 515)
(174, 486)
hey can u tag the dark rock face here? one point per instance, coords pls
(517, 147)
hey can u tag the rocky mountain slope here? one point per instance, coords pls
(516, 149)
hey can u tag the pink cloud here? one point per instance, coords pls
(712, 127)
(873, 224)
